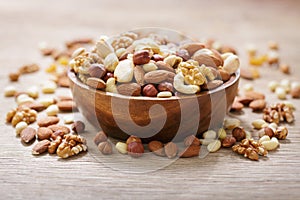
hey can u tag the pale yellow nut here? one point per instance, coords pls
(103, 48)
(180, 86)
(10, 91)
(210, 134)
(20, 126)
(231, 123)
(24, 98)
(251, 49)
(111, 61)
(124, 71)
(248, 87)
(111, 85)
(248, 135)
(272, 85)
(226, 55)
(120, 52)
(286, 84)
(214, 146)
(33, 92)
(281, 93)
(69, 119)
(271, 144)
(222, 133)
(259, 123)
(121, 147)
(264, 138)
(173, 60)
(78, 52)
(149, 67)
(289, 104)
(164, 94)
(52, 110)
(231, 64)
(49, 87)
(46, 101)
(206, 142)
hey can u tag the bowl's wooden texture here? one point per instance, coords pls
(169, 119)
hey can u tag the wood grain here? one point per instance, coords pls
(221, 175)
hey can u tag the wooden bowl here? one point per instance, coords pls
(151, 118)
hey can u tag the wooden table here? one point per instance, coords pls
(221, 175)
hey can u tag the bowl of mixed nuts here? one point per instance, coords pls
(154, 83)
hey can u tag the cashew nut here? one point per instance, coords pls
(181, 87)
(111, 85)
(124, 71)
(231, 64)
(111, 61)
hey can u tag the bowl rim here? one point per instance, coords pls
(227, 84)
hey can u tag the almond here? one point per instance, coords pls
(62, 128)
(225, 76)
(40, 147)
(192, 47)
(157, 148)
(47, 121)
(44, 133)
(190, 151)
(236, 106)
(67, 106)
(164, 66)
(139, 74)
(254, 95)
(244, 100)
(212, 84)
(28, 134)
(191, 140)
(129, 89)
(258, 105)
(63, 81)
(158, 76)
(96, 83)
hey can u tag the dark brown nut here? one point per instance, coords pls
(129, 89)
(158, 76)
(281, 133)
(40, 147)
(211, 85)
(97, 70)
(171, 150)
(269, 132)
(95, 83)
(14, 76)
(254, 95)
(133, 138)
(157, 57)
(62, 128)
(44, 133)
(150, 91)
(67, 106)
(54, 144)
(47, 121)
(225, 76)
(107, 76)
(100, 137)
(36, 106)
(105, 148)
(295, 92)
(135, 149)
(28, 134)
(258, 105)
(236, 106)
(141, 57)
(57, 133)
(184, 54)
(244, 100)
(191, 140)
(139, 74)
(157, 148)
(165, 86)
(164, 66)
(78, 127)
(190, 151)
(191, 48)
(64, 98)
(228, 141)
(239, 133)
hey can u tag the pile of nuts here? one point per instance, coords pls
(153, 66)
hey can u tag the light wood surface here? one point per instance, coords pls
(221, 175)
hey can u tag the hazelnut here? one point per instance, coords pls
(135, 149)
(105, 148)
(228, 141)
(191, 140)
(133, 138)
(100, 137)
(239, 133)
(78, 127)
(107, 76)
(97, 70)
(141, 57)
(269, 132)
(150, 91)
(165, 86)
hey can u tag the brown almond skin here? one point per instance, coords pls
(225, 76)
(57, 127)
(165, 86)
(141, 57)
(159, 76)
(191, 48)
(171, 150)
(67, 106)
(57, 134)
(100, 137)
(40, 147)
(254, 95)
(190, 151)
(157, 148)
(139, 74)
(212, 84)
(44, 133)
(164, 66)
(96, 83)
(47, 121)
(244, 100)
(269, 132)
(129, 89)
(191, 140)
(97, 70)
(28, 134)
(236, 106)
(258, 105)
